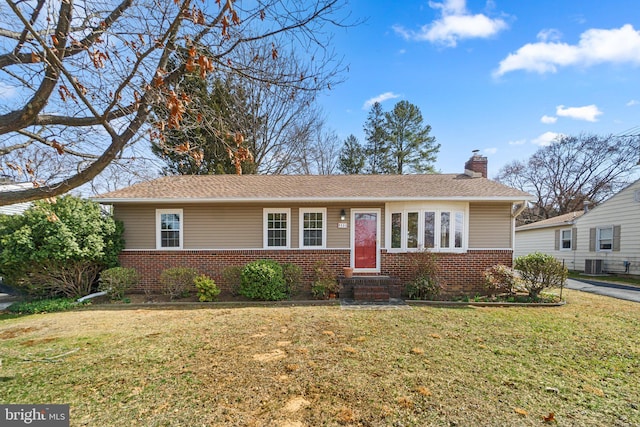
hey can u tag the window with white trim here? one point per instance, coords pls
(440, 229)
(604, 239)
(565, 239)
(277, 223)
(313, 228)
(169, 233)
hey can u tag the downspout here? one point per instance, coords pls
(514, 215)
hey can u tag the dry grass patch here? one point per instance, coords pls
(260, 366)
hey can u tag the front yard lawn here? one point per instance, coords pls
(295, 366)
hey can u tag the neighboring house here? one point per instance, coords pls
(6, 184)
(369, 222)
(555, 236)
(605, 239)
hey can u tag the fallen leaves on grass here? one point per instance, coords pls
(423, 391)
(295, 404)
(328, 333)
(270, 356)
(521, 411)
(593, 390)
(551, 418)
(405, 402)
(346, 416)
(436, 336)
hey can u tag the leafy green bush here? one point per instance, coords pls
(177, 281)
(263, 280)
(325, 281)
(232, 276)
(540, 271)
(500, 279)
(58, 247)
(207, 289)
(292, 276)
(43, 306)
(426, 283)
(118, 280)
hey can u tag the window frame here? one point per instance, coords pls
(265, 227)
(437, 210)
(599, 238)
(159, 213)
(301, 228)
(562, 240)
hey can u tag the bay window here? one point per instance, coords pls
(440, 228)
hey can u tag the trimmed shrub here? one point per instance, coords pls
(57, 247)
(426, 283)
(500, 279)
(118, 280)
(539, 271)
(232, 276)
(263, 280)
(176, 282)
(292, 276)
(207, 289)
(324, 280)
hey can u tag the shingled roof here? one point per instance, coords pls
(253, 188)
(556, 221)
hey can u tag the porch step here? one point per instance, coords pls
(371, 293)
(370, 288)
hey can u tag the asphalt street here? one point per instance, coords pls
(630, 293)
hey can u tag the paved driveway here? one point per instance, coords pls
(631, 293)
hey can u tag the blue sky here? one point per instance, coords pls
(504, 77)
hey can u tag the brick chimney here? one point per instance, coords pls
(476, 166)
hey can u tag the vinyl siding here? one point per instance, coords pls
(490, 225)
(620, 210)
(227, 226)
(544, 240)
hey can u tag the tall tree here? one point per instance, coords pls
(376, 148)
(88, 73)
(572, 170)
(411, 149)
(200, 146)
(352, 159)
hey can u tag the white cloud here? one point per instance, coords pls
(549, 34)
(491, 150)
(588, 113)
(456, 23)
(548, 119)
(547, 138)
(596, 46)
(632, 103)
(7, 91)
(380, 98)
(518, 142)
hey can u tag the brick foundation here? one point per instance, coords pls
(462, 273)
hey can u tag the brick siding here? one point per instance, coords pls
(462, 273)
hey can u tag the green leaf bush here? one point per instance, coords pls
(539, 271)
(207, 289)
(118, 280)
(177, 281)
(263, 280)
(43, 306)
(58, 247)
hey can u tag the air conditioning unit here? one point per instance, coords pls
(593, 266)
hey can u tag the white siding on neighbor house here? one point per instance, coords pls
(544, 240)
(16, 208)
(622, 210)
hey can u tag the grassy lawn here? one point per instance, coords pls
(295, 366)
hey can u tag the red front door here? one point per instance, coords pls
(365, 240)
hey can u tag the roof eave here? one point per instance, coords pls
(513, 199)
